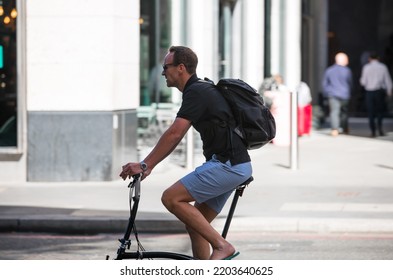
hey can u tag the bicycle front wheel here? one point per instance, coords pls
(153, 255)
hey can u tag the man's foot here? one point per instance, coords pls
(234, 255)
(227, 250)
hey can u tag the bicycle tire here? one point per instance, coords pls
(153, 255)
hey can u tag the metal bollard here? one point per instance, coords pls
(294, 135)
(190, 150)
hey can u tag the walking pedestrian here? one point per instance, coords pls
(337, 86)
(377, 83)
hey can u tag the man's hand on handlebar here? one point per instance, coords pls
(133, 168)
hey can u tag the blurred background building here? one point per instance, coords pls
(81, 86)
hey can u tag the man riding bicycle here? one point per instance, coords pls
(227, 163)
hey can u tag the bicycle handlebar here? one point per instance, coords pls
(136, 184)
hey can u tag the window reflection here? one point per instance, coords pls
(8, 74)
(155, 26)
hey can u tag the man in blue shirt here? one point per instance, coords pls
(337, 87)
(377, 83)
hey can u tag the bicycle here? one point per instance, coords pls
(141, 253)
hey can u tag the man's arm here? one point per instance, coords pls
(165, 145)
(325, 84)
(363, 76)
(168, 141)
(388, 82)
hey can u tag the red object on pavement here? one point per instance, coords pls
(304, 120)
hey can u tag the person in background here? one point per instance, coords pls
(337, 86)
(377, 83)
(304, 109)
(279, 97)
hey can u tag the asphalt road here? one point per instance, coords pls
(252, 245)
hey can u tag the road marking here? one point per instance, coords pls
(338, 207)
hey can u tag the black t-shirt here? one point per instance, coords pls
(209, 113)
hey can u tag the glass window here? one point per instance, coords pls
(8, 73)
(225, 38)
(155, 26)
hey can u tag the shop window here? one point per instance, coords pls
(155, 26)
(225, 38)
(8, 73)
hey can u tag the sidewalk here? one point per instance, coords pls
(343, 184)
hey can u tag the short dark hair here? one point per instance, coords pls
(186, 56)
(374, 55)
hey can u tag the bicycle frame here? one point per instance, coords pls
(125, 242)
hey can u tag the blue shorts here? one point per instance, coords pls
(213, 182)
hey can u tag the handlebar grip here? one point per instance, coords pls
(134, 179)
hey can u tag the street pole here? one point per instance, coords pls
(294, 135)
(190, 150)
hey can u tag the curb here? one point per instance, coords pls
(310, 225)
(83, 225)
(96, 225)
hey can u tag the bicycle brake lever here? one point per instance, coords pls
(134, 179)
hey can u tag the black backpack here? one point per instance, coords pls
(254, 122)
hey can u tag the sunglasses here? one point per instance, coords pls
(166, 66)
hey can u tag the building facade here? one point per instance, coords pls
(73, 74)
(81, 73)
(76, 74)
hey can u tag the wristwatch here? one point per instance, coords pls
(143, 166)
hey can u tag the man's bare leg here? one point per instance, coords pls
(200, 246)
(177, 200)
